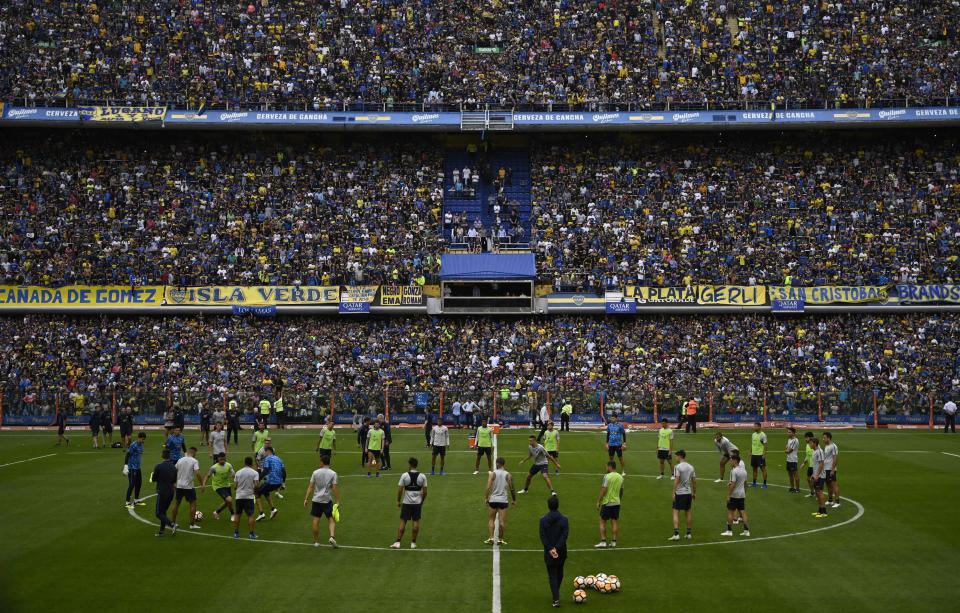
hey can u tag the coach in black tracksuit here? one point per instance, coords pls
(165, 476)
(554, 529)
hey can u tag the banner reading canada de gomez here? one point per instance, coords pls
(830, 294)
(28, 296)
(256, 295)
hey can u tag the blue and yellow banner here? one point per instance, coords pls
(831, 294)
(14, 296)
(257, 295)
(732, 295)
(919, 294)
(122, 113)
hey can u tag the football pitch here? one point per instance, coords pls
(70, 544)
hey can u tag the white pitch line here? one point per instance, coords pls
(39, 457)
(953, 454)
(858, 515)
(495, 597)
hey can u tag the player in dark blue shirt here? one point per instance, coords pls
(165, 476)
(175, 445)
(61, 422)
(554, 529)
(131, 467)
(616, 441)
(362, 440)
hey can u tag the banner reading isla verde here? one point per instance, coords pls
(257, 295)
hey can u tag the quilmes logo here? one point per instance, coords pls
(605, 117)
(893, 114)
(685, 117)
(233, 116)
(425, 118)
(15, 113)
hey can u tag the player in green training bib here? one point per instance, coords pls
(665, 446)
(220, 476)
(758, 453)
(327, 445)
(609, 504)
(260, 436)
(374, 448)
(484, 438)
(551, 442)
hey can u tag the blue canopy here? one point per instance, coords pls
(517, 266)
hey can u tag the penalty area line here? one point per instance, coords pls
(39, 457)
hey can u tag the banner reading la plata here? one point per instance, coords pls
(255, 295)
(15, 296)
(830, 294)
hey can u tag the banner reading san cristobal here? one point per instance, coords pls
(255, 295)
(830, 294)
(20, 296)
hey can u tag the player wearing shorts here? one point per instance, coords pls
(188, 473)
(95, 426)
(374, 448)
(106, 426)
(808, 462)
(131, 468)
(793, 444)
(60, 420)
(260, 436)
(758, 453)
(274, 474)
(327, 445)
(218, 442)
(551, 442)
(616, 442)
(498, 484)
(439, 441)
(484, 439)
(245, 484)
(818, 477)
(126, 426)
(830, 461)
(736, 497)
(665, 446)
(540, 465)
(323, 490)
(611, 491)
(684, 493)
(176, 445)
(726, 448)
(221, 475)
(411, 494)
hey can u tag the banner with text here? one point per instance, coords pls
(830, 294)
(260, 295)
(122, 113)
(14, 296)
(732, 295)
(919, 294)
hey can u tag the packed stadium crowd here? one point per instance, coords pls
(743, 357)
(317, 55)
(249, 210)
(242, 210)
(811, 210)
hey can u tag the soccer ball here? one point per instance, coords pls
(614, 582)
(578, 582)
(601, 586)
(579, 596)
(198, 516)
(601, 577)
(589, 580)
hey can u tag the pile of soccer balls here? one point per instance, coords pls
(603, 583)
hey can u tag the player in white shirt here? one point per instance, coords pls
(736, 496)
(411, 494)
(725, 447)
(793, 444)
(831, 460)
(498, 484)
(322, 490)
(188, 473)
(246, 484)
(439, 441)
(950, 417)
(818, 478)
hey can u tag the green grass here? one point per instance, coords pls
(69, 544)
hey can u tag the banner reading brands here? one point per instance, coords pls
(13, 296)
(830, 294)
(122, 113)
(915, 294)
